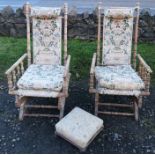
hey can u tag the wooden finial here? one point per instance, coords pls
(27, 8)
(65, 5)
(65, 8)
(138, 4)
(99, 5)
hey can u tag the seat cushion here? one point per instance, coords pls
(120, 77)
(39, 77)
(79, 127)
(118, 92)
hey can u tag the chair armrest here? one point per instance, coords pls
(15, 72)
(92, 69)
(144, 64)
(67, 66)
(144, 72)
(16, 64)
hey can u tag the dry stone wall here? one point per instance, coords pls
(80, 26)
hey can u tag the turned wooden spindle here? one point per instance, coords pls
(14, 77)
(99, 34)
(18, 71)
(10, 83)
(65, 32)
(136, 37)
(148, 82)
(27, 9)
(22, 67)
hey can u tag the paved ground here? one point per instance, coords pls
(36, 135)
(81, 5)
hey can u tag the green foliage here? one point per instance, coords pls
(10, 50)
(81, 55)
(81, 52)
(147, 51)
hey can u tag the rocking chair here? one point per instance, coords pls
(45, 76)
(114, 74)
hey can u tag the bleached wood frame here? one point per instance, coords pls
(141, 67)
(19, 67)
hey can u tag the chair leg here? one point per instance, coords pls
(136, 110)
(140, 101)
(96, 103)
(21, 112)
(19, 100)
(61, 105)
(22, 109)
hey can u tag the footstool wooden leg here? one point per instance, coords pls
(96, 103)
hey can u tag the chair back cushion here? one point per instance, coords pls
(46, 29)
(117, 36)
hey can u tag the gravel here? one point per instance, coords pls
(36, 135)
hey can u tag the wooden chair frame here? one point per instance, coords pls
(141, 67)
(19, 67)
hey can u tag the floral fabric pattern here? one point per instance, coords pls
(120, 77)
(45, 11)
(42, 77)
(79, 127)
(38, 93)
(118, 12)
(118, 92)
(46, 39)
(117, 36)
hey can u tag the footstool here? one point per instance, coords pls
(79, 128)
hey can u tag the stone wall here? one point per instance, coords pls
(82, 26)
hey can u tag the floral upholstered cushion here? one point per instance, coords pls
(38, 93)
(117, 36)
(120, 77)
(118, 12)
(118, 92)
(79, 127)
(46, 37)
(45, 11)
(40, 77)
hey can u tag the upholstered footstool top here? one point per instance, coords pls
(79, 127)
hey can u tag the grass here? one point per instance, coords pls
(81, 51)
(147, 51)
(10, 50)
